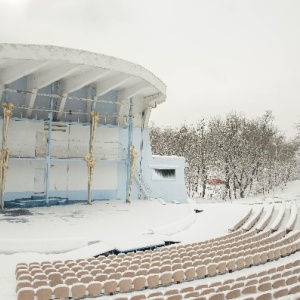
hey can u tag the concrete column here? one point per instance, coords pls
(2, 171)
(48, 156)
(90, 159)
(93, 107)
(129, 158)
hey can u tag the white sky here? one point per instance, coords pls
(215, 56)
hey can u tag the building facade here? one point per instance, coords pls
(75, 127)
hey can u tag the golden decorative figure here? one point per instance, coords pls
(90, 159)
(134, 158)
(7, 113)
(91, 162)
(95, 118)
(4, 153)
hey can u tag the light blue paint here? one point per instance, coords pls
(96, 195)
(110, 108)
(94, 100)
(5, 100)
(106, 161)
(166, 189)
(68, 123)
(76, 105)
(128, 135)
(122, 167)
(17, 99)
(48, 157)
(129, 158)
(70, 195)
(27, 158)
(10, 196)
(141, 158)
(93, 108)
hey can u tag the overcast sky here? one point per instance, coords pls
(215, 56)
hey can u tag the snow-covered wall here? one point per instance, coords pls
(27, 140)
(170, 189)
(64, 85)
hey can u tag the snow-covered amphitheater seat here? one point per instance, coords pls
(161, 272)
(264, 222)
(253, 219)
(241, 221)
(293, 218)
(177, 226)
(279, 218)
(164, 266)
(272, 283)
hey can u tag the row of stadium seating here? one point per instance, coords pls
(267, 246)
(130, 281)
(163, 266)
(272, 283)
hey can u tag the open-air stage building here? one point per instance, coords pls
(75, 127)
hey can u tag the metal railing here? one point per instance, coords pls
(102, 151)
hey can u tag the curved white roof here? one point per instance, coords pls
(29, 71)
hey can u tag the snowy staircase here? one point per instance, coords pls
(144, 187)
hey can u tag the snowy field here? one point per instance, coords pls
(80, 231)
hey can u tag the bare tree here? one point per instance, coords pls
(250, 155)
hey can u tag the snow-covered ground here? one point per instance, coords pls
(78, 231)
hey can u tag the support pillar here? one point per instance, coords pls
(90, 159)
(129, 158)
(48, 156)
(134, 158)
(2, 87)
(4, 153)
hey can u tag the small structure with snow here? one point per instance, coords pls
(75, 127)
